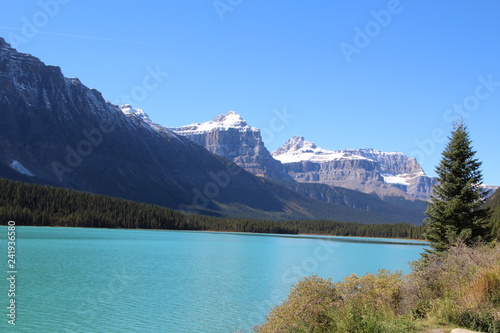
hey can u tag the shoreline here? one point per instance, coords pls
(234, 232)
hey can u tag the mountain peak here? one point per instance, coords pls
(298, 142)
(295, 146)
(6, 45)
(223, 122)
(130, 110)
(137, 113)
(298, 149)
(230, 119)
(3, 42)
(139, 117)
(229, 136)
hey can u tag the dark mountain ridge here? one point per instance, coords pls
(57, 131)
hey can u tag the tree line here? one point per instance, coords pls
(493, 204)
(37, 205)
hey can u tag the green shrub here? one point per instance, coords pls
(305, 310)
(481, 318)
(357, 304)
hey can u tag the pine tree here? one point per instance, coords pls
(455, 212)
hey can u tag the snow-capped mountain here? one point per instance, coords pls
(136, 113)
(298, 149)
(366, 170)
(139, 118)
(229, 136)
(223, 122)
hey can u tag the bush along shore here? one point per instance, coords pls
(458, 288)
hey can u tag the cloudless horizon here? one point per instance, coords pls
(389, 75)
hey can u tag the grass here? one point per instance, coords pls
(460, 288)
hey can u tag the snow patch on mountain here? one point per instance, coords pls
(298, 149)
(17, 166)
(224, 122)
(490, 189)
(138, 116)
(401, 179)
(135, 112)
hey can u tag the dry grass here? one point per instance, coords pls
(460, 287)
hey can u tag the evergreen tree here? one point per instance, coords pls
(456, 211)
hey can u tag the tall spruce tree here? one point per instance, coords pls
(456, 211)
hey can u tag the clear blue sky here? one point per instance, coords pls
(379, 74)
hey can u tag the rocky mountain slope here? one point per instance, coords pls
(365, 170)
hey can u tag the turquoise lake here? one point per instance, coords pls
(106, 280)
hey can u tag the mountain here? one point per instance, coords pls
(229, 136)
(365, 170)
(57, 131)
(410, 211)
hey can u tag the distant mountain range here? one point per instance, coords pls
(57, 131)
(365, 170)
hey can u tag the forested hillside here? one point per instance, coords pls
(37, 205)
(494, 204)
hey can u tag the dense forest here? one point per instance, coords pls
(494, 204)
(37, 205)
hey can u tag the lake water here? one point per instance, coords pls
(105, 280)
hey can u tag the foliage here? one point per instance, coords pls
(493, 204)
(30, 204)
(456, 209)
(460, 287)
(306, 309)
(358, 304)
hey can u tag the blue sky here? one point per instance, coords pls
(390, 75)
